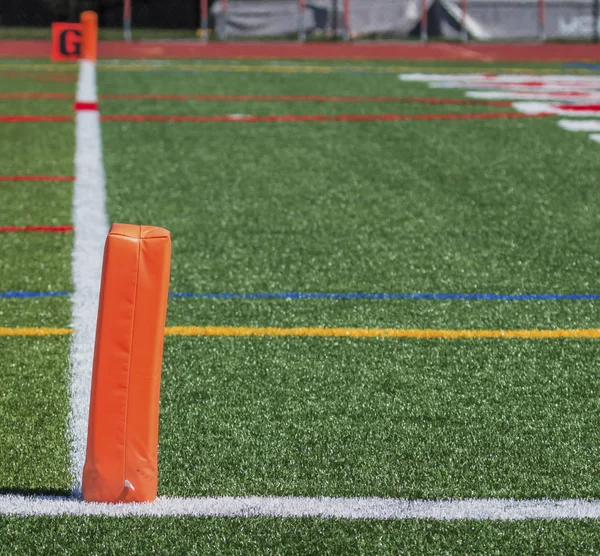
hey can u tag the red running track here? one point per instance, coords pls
(36, 228)
(384, 50)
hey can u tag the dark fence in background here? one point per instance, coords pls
(175, 14)
(452, 19)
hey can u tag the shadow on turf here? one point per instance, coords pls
(35, 491)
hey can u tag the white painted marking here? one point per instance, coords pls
(580, 125)
(549, 108)
(515, 86)
(91, 226)
(566, 96)
(323, 507)
(595, 137)
(86, 84)
(500, 78)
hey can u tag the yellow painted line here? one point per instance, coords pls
(414, 333)
(379, 332)
(35, 331)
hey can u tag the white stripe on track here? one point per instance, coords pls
(289, 507)
(91, 226)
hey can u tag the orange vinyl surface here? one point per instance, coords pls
(122, 448)
(89, 48)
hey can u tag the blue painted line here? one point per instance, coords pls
(581, 65)
(20, 295)
(335, 296)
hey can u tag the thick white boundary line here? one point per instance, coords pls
(91, 226)
(289, 507)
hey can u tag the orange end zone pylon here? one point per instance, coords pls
(122, 447)
(89, 45)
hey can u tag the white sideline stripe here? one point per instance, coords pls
(580, 125)
(595, 137)
(91, 226)
(567, 96)
(534, 108)
(322, 507)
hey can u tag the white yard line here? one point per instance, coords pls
(290, 507)
(91, 226)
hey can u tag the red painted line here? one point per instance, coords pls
(304, 98)
(580, 107)
(17, 118)
(37, 178)
(318, 118)
(259, 98)
(36, 228)
(85, 106)
(37, 96)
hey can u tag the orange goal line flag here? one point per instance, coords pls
(122, 446)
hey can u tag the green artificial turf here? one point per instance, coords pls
(166, 79)
(418, 419)
(45, 148)
(44, 107)
(384, 313)
(54, 312)
(33, 260)
(26, 203)
(294, 536)
(440, 206)
(483, 206)
(455, 207)
(34, 402)
(34, 396)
